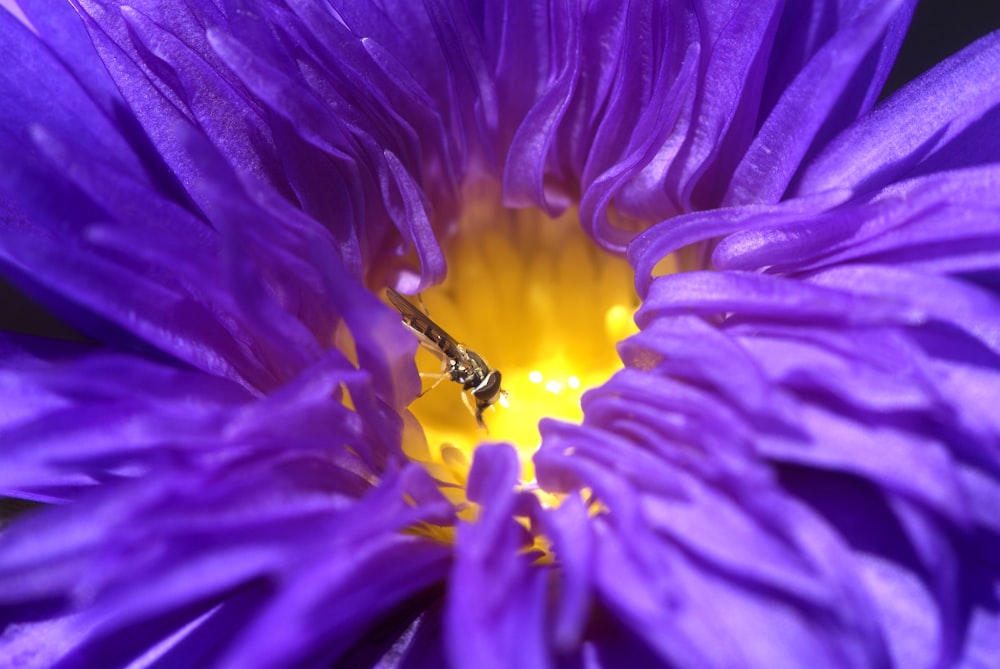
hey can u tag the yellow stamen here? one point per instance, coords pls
(540, 303)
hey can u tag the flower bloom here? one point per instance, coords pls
(793, 462)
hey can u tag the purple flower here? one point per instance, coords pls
(797, 465)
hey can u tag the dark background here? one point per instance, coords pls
(940, 28)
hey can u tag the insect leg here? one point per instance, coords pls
(475, 412)
(438, 378)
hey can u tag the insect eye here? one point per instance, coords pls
(490, 389)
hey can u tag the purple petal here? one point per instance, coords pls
(219, 544)
(805, 27)
(568, 528)
(651, 566)
(735, 42)
(100, 415)
(937, 223)
(525, 167)
(496, 606)
(820, 95)
(651, 246)
(914, 131)
(232, 319)
(712, 293)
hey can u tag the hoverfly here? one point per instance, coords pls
(459, 363)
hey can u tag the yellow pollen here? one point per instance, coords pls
(542, 305)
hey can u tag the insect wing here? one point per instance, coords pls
(431, 334)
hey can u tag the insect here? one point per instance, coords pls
(458, 362)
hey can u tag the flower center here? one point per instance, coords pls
(541, 304)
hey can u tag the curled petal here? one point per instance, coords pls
(820, 96)
(496, 608)
(944, 119)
